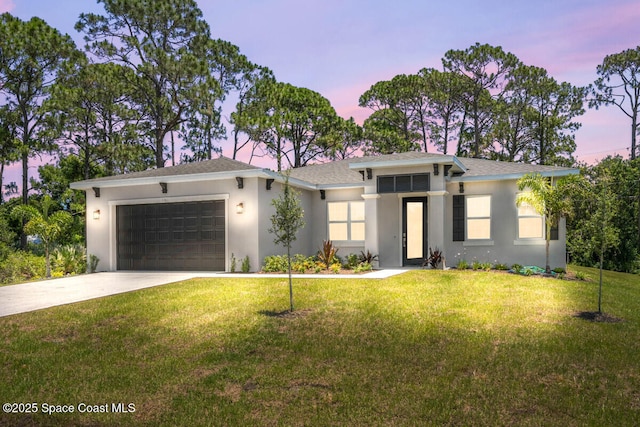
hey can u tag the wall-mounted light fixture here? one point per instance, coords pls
(240, 208)
(96, 214)
(461, 187)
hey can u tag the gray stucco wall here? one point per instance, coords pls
(504, 246)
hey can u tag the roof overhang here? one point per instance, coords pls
(198, 177)
(386, 164)
(512, 176)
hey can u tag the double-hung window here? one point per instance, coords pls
(530, 223)
(478, 217)
(346, 221)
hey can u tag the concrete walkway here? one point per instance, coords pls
(32, 296)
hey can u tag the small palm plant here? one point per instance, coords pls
(48, 226)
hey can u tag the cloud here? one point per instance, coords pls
(6, 6)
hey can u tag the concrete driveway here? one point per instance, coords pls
(32, 296)
(49, 293)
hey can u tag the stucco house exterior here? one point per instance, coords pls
(195, 216)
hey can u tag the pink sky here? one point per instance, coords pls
(340, 48)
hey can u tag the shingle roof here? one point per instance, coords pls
(221, 164)
(492, 168)
(338, 173)
(330, 173)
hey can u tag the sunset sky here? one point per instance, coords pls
(340, 48)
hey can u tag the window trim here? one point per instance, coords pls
(348, 221)
(537, 216)
(467, 218)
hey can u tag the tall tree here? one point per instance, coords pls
(247, 88)
(554, 106)
(443, 92)
(8, 148)
(400, 114)
(487, 67)
(34, 56)
(349, 138)
(164, 42)
(292, 124)
(98, 122)
(619, 85)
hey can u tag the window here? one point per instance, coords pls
(403, 183)
(530, 223)
(478, 217)
(346, 221)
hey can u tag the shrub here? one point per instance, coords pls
(275, 264)
(462, 265)
(246, 264)
(69, 259)
(327, 254)
(476, 265)
(336, 267)
(21, 266)
(486, 266)
(516, 268)
(368, 257)
(301, 264)
(580, 275)
(93, 263)
(559, 270)
(501, 267)
(435, 257)
(352, 261)
(363, 266)
(233, 263)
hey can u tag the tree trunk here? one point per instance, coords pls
(47, 260)
(634, 131)
(600, 287)
(290, 279)
(1, 180)
(25, 196)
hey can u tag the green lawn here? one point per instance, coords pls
(422, 348)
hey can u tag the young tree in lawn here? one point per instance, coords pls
(549, 198)
(47, 225)
(285, 223)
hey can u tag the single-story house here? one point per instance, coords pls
(196, 216)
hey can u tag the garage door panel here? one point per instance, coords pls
(176, 236)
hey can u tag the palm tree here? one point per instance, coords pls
(547, 198)
(48, 226)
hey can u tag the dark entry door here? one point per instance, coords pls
(172, 236)
(414, 230)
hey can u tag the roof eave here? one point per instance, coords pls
(169, 179)
(408, 162)
(511, 176)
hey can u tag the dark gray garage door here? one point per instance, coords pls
(173, 236)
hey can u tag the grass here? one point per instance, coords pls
(423, 348)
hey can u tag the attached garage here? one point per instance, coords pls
(171, 236)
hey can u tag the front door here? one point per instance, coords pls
(414, 230)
